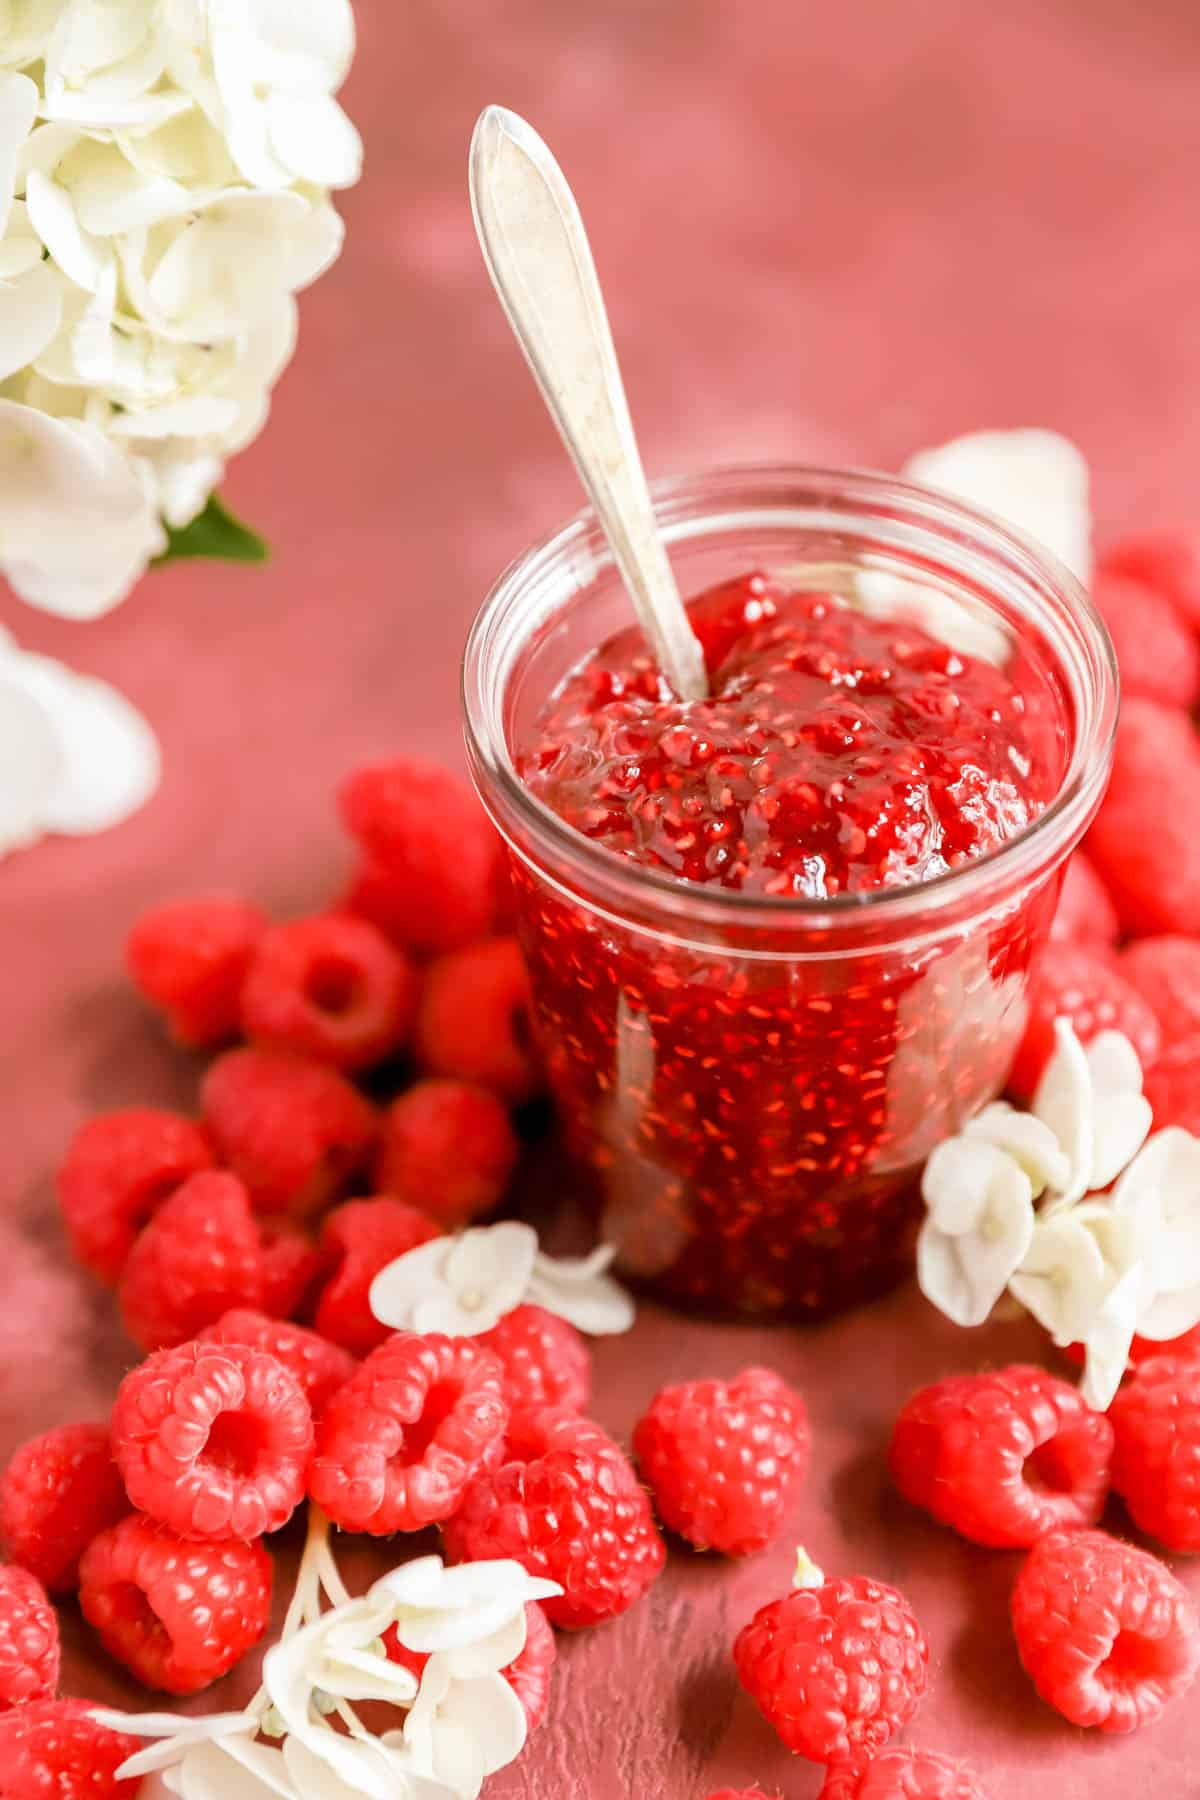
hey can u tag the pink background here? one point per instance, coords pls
(827, 232)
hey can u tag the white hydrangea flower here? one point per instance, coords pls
(1093, 1103)
(1159, 1194)
(1028, 1140)
(977, 1228)
(460, 1730)
(1081, 1279)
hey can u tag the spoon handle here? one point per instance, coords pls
(538, 256)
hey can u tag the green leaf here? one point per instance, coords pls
(215, 532)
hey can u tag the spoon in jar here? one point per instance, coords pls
(538, 256)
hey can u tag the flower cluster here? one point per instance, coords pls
(164, 176)
(1015, 1203)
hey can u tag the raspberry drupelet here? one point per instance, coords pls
(332, 988)
(474, 1020)
(1107, 1634)
(546, 1363)
(1166, 559)
(750, 1793)
(319, 1366)
(1003, 1457)
(1156, 1464)
(1156, 884)
(28, 1639)
(117, 1172)
(1157, 652)
(725, 1459)
(190, 957)
(903, 1774)
(1084, 985)
(357, 1240)
(59, 1491)
(1166, 973)
(1085, 914)
(447, 1147)
(1172, 1087)
(57, 1750)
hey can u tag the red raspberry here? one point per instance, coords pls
(56, 1750)
(474, 1020)
(903, 1774)
(546, 1363)
(357, 1240)
(295, 1131)
(58, 1492)
(28, 1639)
(1003, 1457)
(1085, 913)
(332, 988)
(1106, 1633)
(213, 1440)
(203, 1253)
(1156, 1465)
(750, 1793)
(320, 1367)
(290, 1265)
(1166, 973)
(1157, 654)
(1166, 560)
(725, 1459)
(189, 957)
(528, 1675)
(1173, 1087)
(836, 1669)
(1145, 842)
(118, 1171)
(178, 1615)
(396, 1447)
(573, 1512)
(447, 1147)
(429, 879)
(1071, 981)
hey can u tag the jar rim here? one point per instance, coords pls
(574, 555)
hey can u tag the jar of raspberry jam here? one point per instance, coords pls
(780, 939)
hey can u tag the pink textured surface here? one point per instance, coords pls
(827, 233)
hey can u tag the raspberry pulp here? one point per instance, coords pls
(59, 1491)
(447, 1147)
(332, 988)
(189, 957)
(357, 1240)
(1156, 1465)
(28, 1639)
(118, 1171)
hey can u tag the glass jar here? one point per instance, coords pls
(753, 1083)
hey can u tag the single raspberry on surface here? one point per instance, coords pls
(58, 1492)
(213, 1440)
(399, 1443)
(570, 1508)
(1145, 840)
(1107, 1634)
(56, 1750)
(545, 1361)
(1085, 913)
(119, 1169)
(1074, 982)
(1166, 973)
(1166, 559)
(357, 1240)
(28, 1639)
(837, 1669)
(750, 1793)
(449, 1148)
(903, 1774)
(178, 1615)
(295, 1131)
(1172, 1086)
(332, 988)
(1003, 1457)
(320, 1367)
(190, 957)
(725, 1459)
(1156, 1464)
(474, 1020)
(528, 1675)
(431, 853)
(1157, 651)
(202, 1253)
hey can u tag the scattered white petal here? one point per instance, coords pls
(1122, 1116)
(461, 1286)
(31, 762)
(440, 1608)
(462, 1731)
(1028, 1140)
(978, 1229)
(1108, 1340)
(1063, 1278)
(1064, 1102)
(1159, 1197)
(1035, 480)
(110, 759)
(579, 1290)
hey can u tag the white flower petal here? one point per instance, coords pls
(487, 1656)
(233, 1770)
(1035, 480)
(30, 311)
(31, 762)
(111, 196)
(20, 247)
(307, 49)
(578, 1290)
(80, 256)
(343, 1768)
(1108, 1341)
(1028, 1140)
(403, 1283)
(1159, 1194)
(964, 1272)
(18, 109)
(486, 1712)
(109, 756)
(444, 1609)
(1169, 1315)
(1122, 1117)
(1063, 1278)
(314, 140)
(1064, 1101)
(493, 1261)
(175, 1734)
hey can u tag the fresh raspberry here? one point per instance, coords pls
(118, 1171)
(357, 1240)
(1106, 1633)
(545, 1360)
(750, 1793)
(1167, 560)
(28, 1639)
(213, 1440)
(332, 988)
(1085, 913)
(319, 1366)
(528, 1675)
(1071, 981)
(836, 1669)
(431, 853)
(290, 1265)
(201, 1254)
(397, 1446)
(725, 1459)
(58, 1492)
(1003, 1457)
(903, 1774)
(1157, 653)
(295, 1131)
(474, 1020)
(1156, 1465)
(449, 1148)
(56, 1750)
(1172, 1087)
(1145, 841)
(178, 1615)
(1166, 973)
(570, 1509)
(190, 957)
